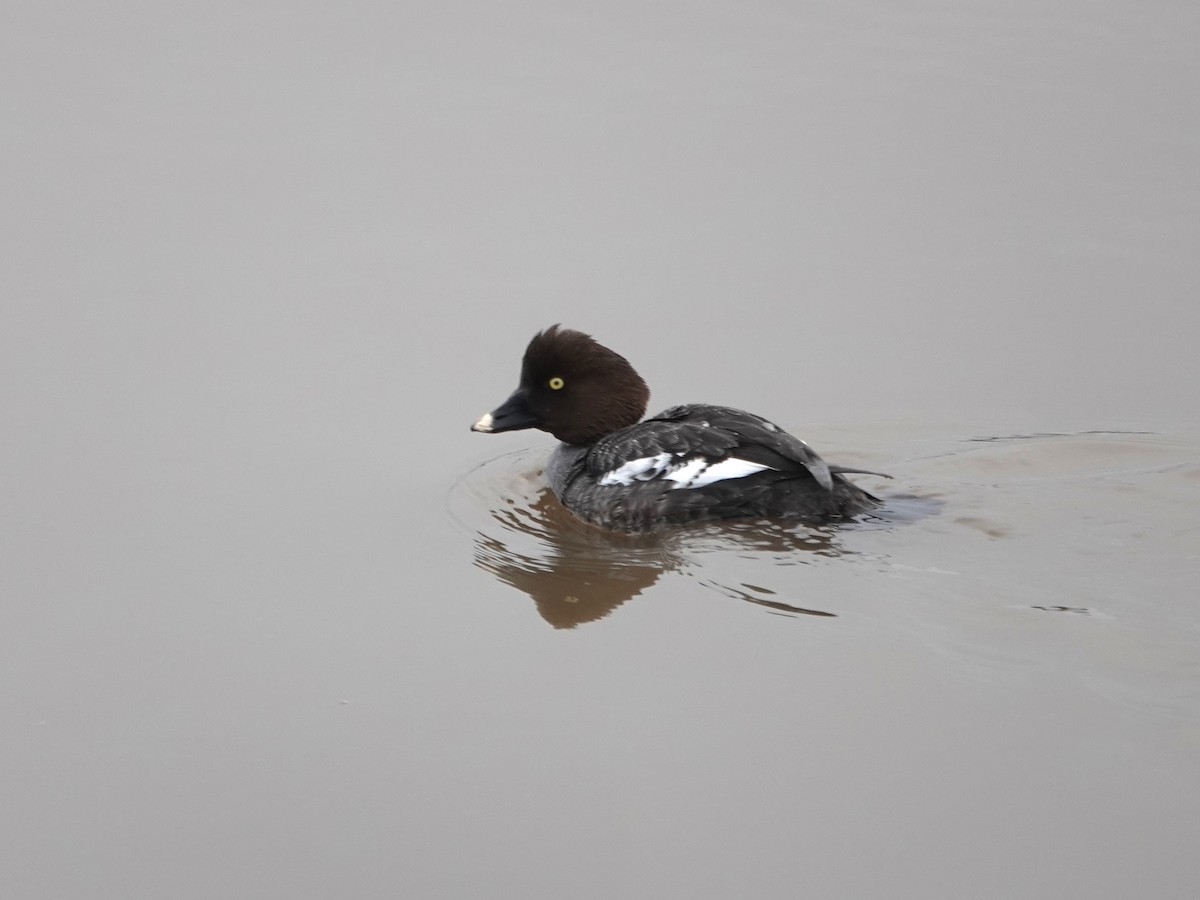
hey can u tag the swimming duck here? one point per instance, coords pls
(687, 464)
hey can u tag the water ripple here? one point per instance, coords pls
(577, 573)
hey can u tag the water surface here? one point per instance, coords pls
(277, 624)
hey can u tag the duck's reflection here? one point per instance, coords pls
(576, 573)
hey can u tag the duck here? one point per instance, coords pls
(687, 464)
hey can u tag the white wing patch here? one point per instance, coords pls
(686, 471)
(699, 472)
(644, 469)
(696, 472)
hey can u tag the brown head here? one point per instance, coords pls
(573, 388)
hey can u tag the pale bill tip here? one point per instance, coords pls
(484, 424)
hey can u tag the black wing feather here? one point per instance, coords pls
(755, 439)
(677, 437)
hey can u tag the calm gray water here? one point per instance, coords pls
(277, 625)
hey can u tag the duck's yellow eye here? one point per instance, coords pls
(556, 383)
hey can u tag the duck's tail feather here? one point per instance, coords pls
(843, 470)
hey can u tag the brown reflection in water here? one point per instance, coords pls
(577, 573)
